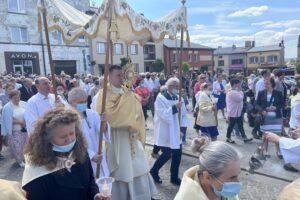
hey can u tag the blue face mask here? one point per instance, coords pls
(229, 189)
(63, 149)
(81, 107)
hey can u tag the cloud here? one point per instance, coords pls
(253, 11)
(262, 38)
(280, 24)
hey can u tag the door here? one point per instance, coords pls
(68, 66)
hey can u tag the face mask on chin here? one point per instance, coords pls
(81, 107)
(229, 189)
(65, 148)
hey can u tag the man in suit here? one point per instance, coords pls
(27, 90)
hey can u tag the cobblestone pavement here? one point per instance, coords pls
(255, 187)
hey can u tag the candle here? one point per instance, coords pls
(105, 189)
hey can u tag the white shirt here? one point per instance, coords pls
(91, 131)
(17, 86)
(156, 84)
(290, 149)
(18, 113)
(37, 105)
(295, 112)
(217, 87)
(149, 84)
(94, 102)
(88, 88)
(260, 86)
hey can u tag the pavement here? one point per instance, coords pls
(266, 185)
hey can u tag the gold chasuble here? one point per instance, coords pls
(124, 110)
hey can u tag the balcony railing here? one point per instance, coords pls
(149, 56)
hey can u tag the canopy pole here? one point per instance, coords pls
(49, 48)
(103, 106)
(180, 74)
(111, 52)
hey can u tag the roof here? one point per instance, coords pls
(265, 48)
(231, 50)
(172, 44)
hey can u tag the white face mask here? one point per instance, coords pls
(175, 91)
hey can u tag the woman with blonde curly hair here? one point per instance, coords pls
(216, 176)
(57, 164)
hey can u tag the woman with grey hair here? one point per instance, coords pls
(90, 124)
(216, 176)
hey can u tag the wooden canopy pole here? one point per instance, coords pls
(106, 69)
(45, 22)
(180, 73)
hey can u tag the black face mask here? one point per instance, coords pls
(147, 77)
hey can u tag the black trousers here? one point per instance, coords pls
(239, 122)
(168, 153)
(156, 149)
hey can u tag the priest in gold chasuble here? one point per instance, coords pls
(125, 154)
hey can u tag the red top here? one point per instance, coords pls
(144, 93)
(197, 87)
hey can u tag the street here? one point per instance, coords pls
(264, 186)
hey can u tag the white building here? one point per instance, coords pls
(23, 48)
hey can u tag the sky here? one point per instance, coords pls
(226, 22)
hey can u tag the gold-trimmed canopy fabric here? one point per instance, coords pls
(131, 26)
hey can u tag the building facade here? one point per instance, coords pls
(143, 57)
(197, 56)
(249, 58)
(232, 59)
(265, 57)
(23, 49)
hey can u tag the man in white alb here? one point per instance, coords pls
(40, 103)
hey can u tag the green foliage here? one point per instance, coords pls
(185, 67)
(298, 67)
(204, 68)
(158, 65)
(124, 61)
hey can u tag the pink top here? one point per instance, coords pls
(197, 87)
(234, 102)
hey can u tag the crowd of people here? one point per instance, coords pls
(56, 138)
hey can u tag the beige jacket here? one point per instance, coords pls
(291, 191)
(206, 116)
(190, 188)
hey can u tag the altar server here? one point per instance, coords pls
(90, 123)
(167, 131)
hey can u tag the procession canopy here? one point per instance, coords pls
(131, 26)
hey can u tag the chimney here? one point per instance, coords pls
(253, 44)
(234, 46)
(247, 44)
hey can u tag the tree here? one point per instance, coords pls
(158, 65)
(204, 68)
(124, 61)
(298, 67)
(185, 67)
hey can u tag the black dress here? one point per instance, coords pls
(63, 185)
